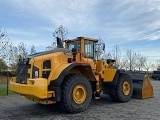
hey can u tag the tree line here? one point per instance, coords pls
(10, 54)
(132, 60)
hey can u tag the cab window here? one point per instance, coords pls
(89, 49)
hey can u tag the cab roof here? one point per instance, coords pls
(81, 37)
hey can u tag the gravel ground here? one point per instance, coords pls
(18, 108)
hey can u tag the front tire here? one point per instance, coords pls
(76, 93)
(123, 89)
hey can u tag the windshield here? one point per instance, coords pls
(76, 45)
(88, 47)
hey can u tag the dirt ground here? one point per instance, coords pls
(16, 107)
(3, 79)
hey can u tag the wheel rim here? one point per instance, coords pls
(126, 88)
(79, 94)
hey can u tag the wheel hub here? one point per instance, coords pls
(79, 94)
(126, 88)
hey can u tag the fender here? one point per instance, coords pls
(61, 72)
(109, 87)
(59, 75)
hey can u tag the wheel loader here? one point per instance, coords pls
(73, 75)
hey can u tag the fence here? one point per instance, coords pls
(4, 80)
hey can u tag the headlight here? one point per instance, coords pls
(36, 74)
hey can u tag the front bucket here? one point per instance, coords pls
(142, 87)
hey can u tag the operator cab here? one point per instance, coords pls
(83, 45)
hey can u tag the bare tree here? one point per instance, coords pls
(13, 67)
(33, 50)
(3, 34)
(52, 46)
(140, 62)
(4, 43)
(10, 54)
(124, 63)
(100, 49)
(22, 50)
(14, 56)
(158, 64)
(3, 65)
(61, 32)
(153, 66)
(107, 55)
(7, 55)
(117, 55)
(131, 59)
(148, 65)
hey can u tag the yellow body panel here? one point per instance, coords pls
(35, 88)
(74, 70)
(58, 71)
(82, 47)
(109, 75)
(90, 61)
(59, 62)
(99, 65)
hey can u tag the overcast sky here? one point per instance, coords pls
(131, 24)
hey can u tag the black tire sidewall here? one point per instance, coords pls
(71, 104)
(125, 78)
(70, 92)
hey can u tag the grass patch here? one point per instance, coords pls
(3, 92)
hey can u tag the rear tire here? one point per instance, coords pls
(76, 93)
(123, 89)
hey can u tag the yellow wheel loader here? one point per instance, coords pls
(73, 75)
